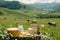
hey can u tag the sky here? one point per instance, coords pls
(36, 1)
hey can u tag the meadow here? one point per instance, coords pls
(15, 13)
(14, 22)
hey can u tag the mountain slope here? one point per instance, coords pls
(17, 9)
(20, 10)
(48, 6)
(15, 5)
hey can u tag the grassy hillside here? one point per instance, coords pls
(28, 13)
(12, 13)
(20, 10)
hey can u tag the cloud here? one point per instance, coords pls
(41, 1)
(28, 1)
(49, 0)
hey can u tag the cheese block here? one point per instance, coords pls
(14, 31)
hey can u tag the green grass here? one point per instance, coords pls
(18, 17)
(54, 31)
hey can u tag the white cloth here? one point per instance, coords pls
(21, 27)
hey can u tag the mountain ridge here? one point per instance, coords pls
(52, 6)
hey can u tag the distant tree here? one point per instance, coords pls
(2, 0)
(10, 4)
